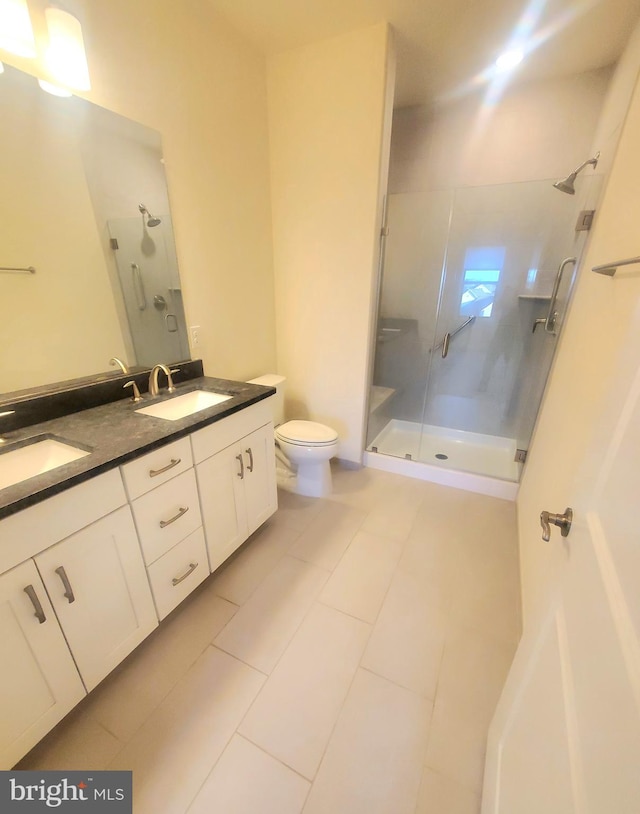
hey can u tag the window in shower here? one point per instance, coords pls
(482, 269)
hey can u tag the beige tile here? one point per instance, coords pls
(78, 742)
(295, 712)
(239, 578)
(361, 488)
(374, 760)
(265, 624)
(440, 795)
(408, 638)
(360, 581)
(124, 701)
(395, 510)
(457, 744)
(297, 511)
(324, 542)
(172, 754)
(474, 669)
(246, 781)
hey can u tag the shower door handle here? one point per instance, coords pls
(445, 345)
(552, 314)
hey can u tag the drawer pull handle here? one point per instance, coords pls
(68, 590)
(182, 510)
(250, 454)
(30, 591)
(177, 580)
(241, 472)
(174, 462)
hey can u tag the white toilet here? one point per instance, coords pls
(305, 447)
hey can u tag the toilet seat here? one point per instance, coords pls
(306, 434)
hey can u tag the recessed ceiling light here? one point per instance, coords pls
(509, 59)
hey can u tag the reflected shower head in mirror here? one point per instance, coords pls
(567, 184)
(151, 219)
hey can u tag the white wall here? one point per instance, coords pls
(597, 326)
(327, 105)
(182, 70)
(538, 130)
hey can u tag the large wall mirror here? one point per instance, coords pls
(87, 252)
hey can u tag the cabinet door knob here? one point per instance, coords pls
(241, 472)
(68, 590)
(30, 591)
(250, 454)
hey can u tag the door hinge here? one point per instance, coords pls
(585, 220)
(521, 456)
(113, 242)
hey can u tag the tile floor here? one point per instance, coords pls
(347, 660)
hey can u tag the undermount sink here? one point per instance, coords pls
(182, 406)
(35, 457)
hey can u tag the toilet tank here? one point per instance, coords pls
(273, 380)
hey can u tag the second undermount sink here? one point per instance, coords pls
(34, 457)
(184, 405)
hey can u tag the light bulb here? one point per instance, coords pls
(509, 60)
(16, 34)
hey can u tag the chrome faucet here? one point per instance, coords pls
(154, 390)
(115, 361)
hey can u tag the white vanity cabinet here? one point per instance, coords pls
(97, 583)
(39, 682)
(235, 468)
(166, 508)
(75, 601)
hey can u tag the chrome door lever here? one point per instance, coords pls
(563, 521)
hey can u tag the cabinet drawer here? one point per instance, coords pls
(157, 467)
(178, 572)
(216, 437)
(161, 518)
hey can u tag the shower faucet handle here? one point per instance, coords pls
(563, 521)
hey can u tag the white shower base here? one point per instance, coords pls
(480, 463)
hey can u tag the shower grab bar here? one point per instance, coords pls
(27, 270)
(138, 287)
(610, 268)
(552, 314)
(449, 336)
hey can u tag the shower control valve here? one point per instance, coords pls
(563, 521)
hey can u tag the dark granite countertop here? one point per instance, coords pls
(115, 434)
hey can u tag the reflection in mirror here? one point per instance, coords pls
(84, 202)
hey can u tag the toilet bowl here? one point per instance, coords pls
(303, 448)
(309, 446)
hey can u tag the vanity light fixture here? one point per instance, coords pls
(16, 33)
(65, 57)
(54, 90)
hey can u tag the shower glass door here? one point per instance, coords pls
(463, 353)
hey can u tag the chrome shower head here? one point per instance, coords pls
(151, 219)
(567, 184)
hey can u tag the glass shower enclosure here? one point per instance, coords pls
(475, 287)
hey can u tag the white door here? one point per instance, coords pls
(260, 476)
(566, 734)
(39, 682)
(222, 503)
(98, 585)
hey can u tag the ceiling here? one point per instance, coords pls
(443, 44)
